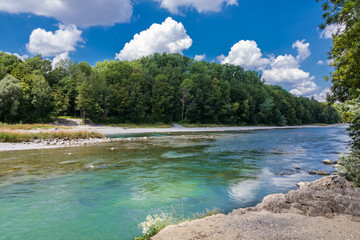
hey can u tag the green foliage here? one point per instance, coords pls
(345, 51)
(350, 164)
(10, 96)
(158, 88)
(345, 56)
(154, 224)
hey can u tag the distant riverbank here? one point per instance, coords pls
(113, 131)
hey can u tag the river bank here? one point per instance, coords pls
(113, 131)
(328, 208)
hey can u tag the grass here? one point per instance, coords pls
(68, 117)
(4, 126)
(20, 136)
(133, 125)
(155, 224)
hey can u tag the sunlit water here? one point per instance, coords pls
(102, 193)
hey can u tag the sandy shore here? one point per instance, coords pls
(109, 131)
(179, 129)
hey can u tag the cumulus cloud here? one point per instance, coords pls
(170, 37)
(321, 97)
(281, 70)
(78, 12)
(200, 57)
(320, 62)
(331, 30)
(22, 57)
(303, 50)
(245, 54)
(51, 44)
(58, 58)
(202, 6)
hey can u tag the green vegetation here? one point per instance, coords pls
(4, 126)
(155, 224)
(345, 56)
(159, 88)
(20, 136)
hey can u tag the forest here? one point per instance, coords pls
(159, 88)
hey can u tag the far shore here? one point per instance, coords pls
(113, 131)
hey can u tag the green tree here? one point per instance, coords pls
(10, 96)
(162, 99)
(345, 56)
(345, 50)
(187, 98)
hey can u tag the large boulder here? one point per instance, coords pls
(325, 197)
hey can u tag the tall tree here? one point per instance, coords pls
(344, 15)
(10, 96)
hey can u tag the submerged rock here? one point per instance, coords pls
(323, 173)
(312, 172)
(327, 161)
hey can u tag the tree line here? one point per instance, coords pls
(158, 88)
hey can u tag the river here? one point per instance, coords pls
(105, 191)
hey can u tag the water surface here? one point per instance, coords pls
(105, 191)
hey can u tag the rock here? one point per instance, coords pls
(297, 168)
(337, 165)
(312, 172)
(324, 197)
(322, 173)
(327, 161)
(66, 162)
(282, 174)
(302, 185)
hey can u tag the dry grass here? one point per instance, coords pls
(5, 127)
(23, 136)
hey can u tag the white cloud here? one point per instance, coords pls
(245, 54)
(320, 62)
(331, 30)
(58, 58)
(202, 6)
(51, 44)
(78, 12)
(281, 70)
(321, 97)
(170, 37)
(200, 57)
(22, 57)
(304, 88)
(285, 70)
(303, 50)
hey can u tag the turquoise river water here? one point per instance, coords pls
(105, 191)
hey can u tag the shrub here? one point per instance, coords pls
(350, 164)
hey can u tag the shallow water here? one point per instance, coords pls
(105, 191)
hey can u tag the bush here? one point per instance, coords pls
(153, 225)
(351, 167)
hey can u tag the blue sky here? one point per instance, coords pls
(280, 38)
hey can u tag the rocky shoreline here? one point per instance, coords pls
(328, 208)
